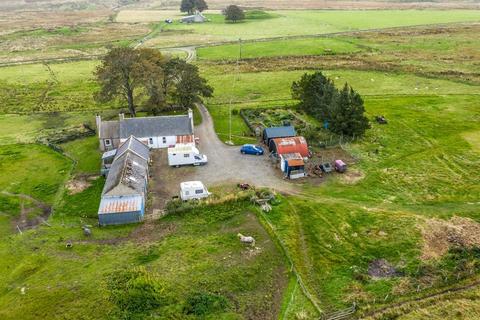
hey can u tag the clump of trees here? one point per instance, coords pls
(190, 6)
(144, 77)
(234, 13)
(342, 111)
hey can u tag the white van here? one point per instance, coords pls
(193, 190)
(185, 154)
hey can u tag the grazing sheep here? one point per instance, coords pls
(244, 239)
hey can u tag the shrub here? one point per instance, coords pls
(135, 291)
(203, 303)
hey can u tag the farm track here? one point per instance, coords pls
(192, 56)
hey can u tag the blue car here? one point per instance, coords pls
(251, 149)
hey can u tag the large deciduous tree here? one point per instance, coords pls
(189, 86)
(145, 75)
(119, 76)
(190, 6)
(234, 13)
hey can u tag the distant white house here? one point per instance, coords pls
(198, 17)
(155, 132)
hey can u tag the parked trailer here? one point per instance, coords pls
(340, 166)
(193, 190)
(185, 154)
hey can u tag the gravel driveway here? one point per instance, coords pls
(227, 164)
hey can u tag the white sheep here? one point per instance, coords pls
(244, 239)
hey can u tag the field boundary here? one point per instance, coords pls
(138, 42)
(306, 292)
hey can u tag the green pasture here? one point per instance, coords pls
(413, 44)
(196, 252)
(86, 152)
(26, 128)
(272, 89)
(303, 22)
(34, 170)
(60, 87)
(291, 47)
(416, 167)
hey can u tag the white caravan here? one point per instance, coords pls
(185, 154)
(193, 190)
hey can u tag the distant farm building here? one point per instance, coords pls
(155, 132)
(281, 146)
(278, 132)
(124, 193)
(198, 17)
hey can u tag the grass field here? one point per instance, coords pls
(203, 242)
(410, 174)
(296, 23)
(315, 46)
(270, 89)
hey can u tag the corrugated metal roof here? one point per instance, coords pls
(279, 132)
(120, 204)
(293, 159)
(185, 139)
(290, 145)
(156, 126)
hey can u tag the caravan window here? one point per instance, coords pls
(186, 155)
(108, 142)
(199, 191)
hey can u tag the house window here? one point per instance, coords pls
(186, 155)
(150, 140)
(164, 139)
(108, 142)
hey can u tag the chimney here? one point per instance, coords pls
(98, 122)
(121, 116)
(190, 116)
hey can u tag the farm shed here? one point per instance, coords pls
(289, 145)
(156, 132)
(292, 165)
(121, 210)
(278, 132)
(197, 17)
(123, 196)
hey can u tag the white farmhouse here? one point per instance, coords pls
(155, 132)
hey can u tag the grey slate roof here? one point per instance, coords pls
(110, 130)
(156, 126)
(136, 146)
(279, 132)
(127, 175)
